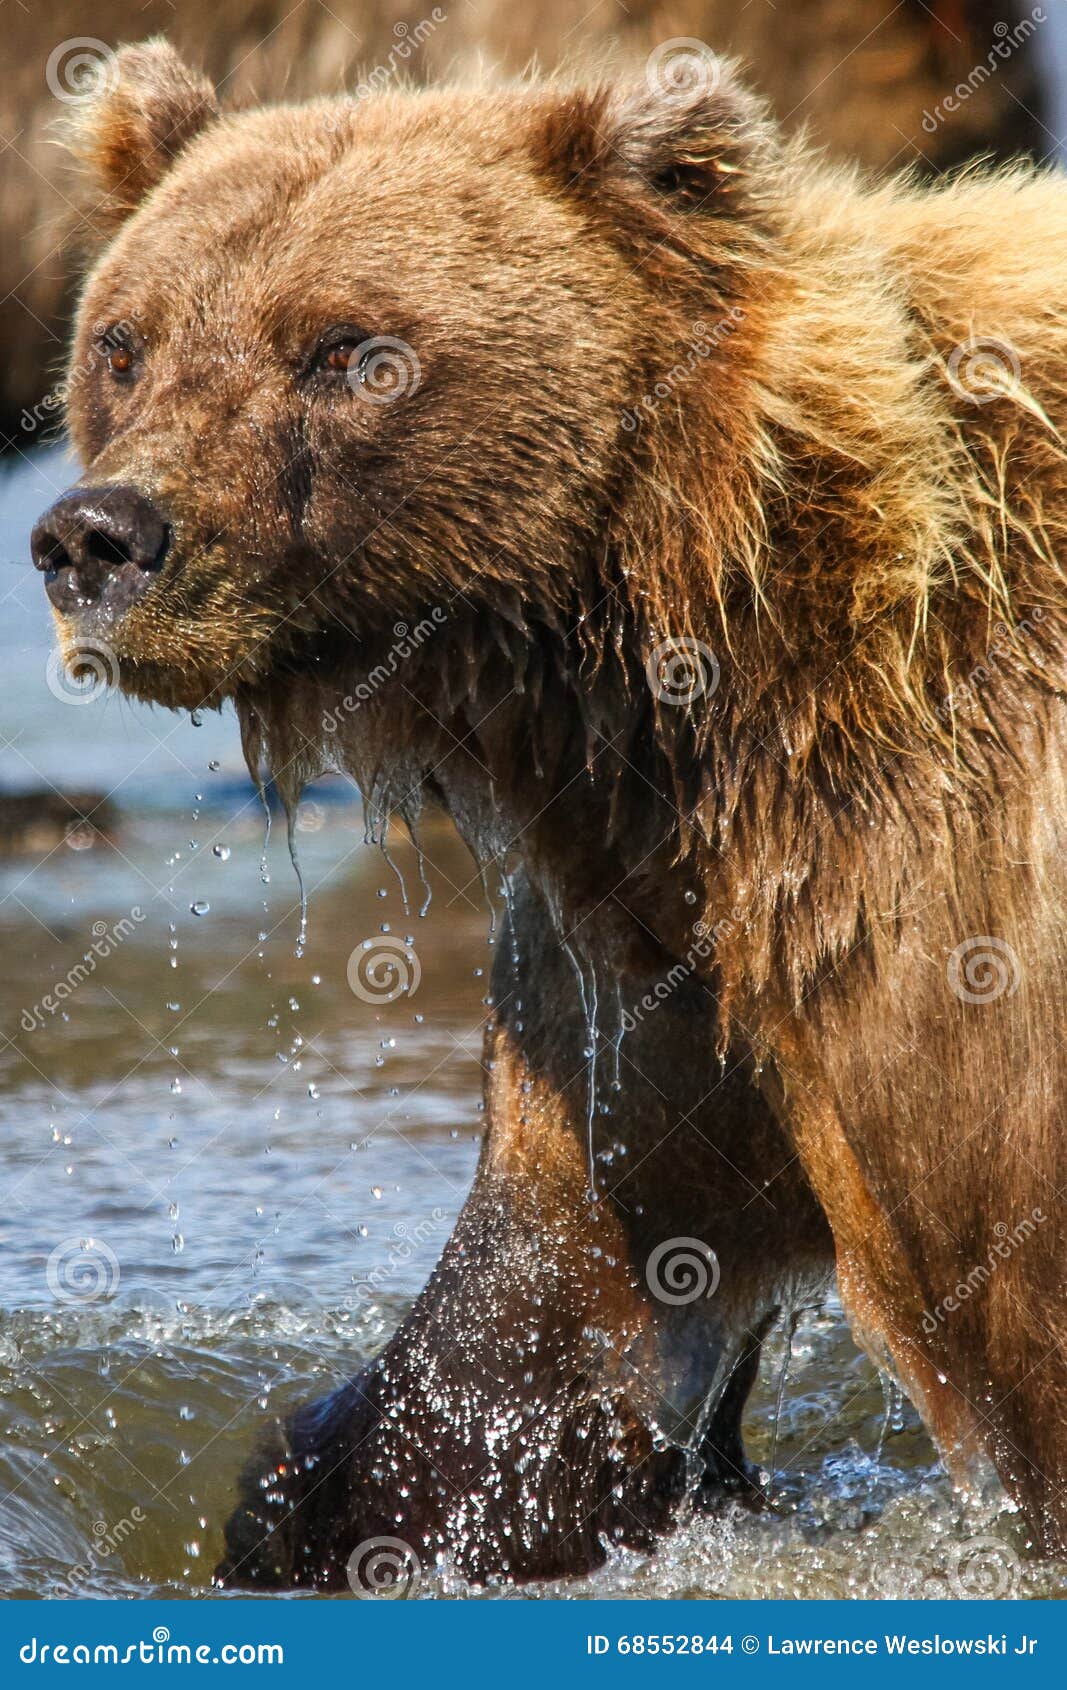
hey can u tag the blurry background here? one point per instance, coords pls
(223, 1174)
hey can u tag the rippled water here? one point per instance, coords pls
(233, 1143)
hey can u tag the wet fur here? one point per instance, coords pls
(818, 506)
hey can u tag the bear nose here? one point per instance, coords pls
(99, 546)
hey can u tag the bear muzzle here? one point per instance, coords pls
(99, 549)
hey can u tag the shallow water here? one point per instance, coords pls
(210, 1145)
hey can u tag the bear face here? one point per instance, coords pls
(355, 356)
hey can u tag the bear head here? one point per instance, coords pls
(344, 367)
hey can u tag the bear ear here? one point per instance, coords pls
(688, 138)
(146, 106)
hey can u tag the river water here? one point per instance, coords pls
(210, 1146)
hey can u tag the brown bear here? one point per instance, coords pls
(729, 491)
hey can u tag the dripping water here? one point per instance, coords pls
(616, 1043)
(489, 904)
(508, 892)
(420, 861)
(291, 810)
(587, 993)
(892, 1420)
(420, 866)
(779, 1397)
(383, 845)
(264, 855)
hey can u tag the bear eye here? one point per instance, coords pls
(118, 354)
(341, 353)
(339, 357)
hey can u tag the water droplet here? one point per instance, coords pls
(222, 852)
(200, 907)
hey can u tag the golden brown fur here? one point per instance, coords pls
(861, 525)
(861, 73)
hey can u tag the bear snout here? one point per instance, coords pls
(99, 548)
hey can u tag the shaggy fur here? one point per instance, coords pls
(867, 76)
(856, 520)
